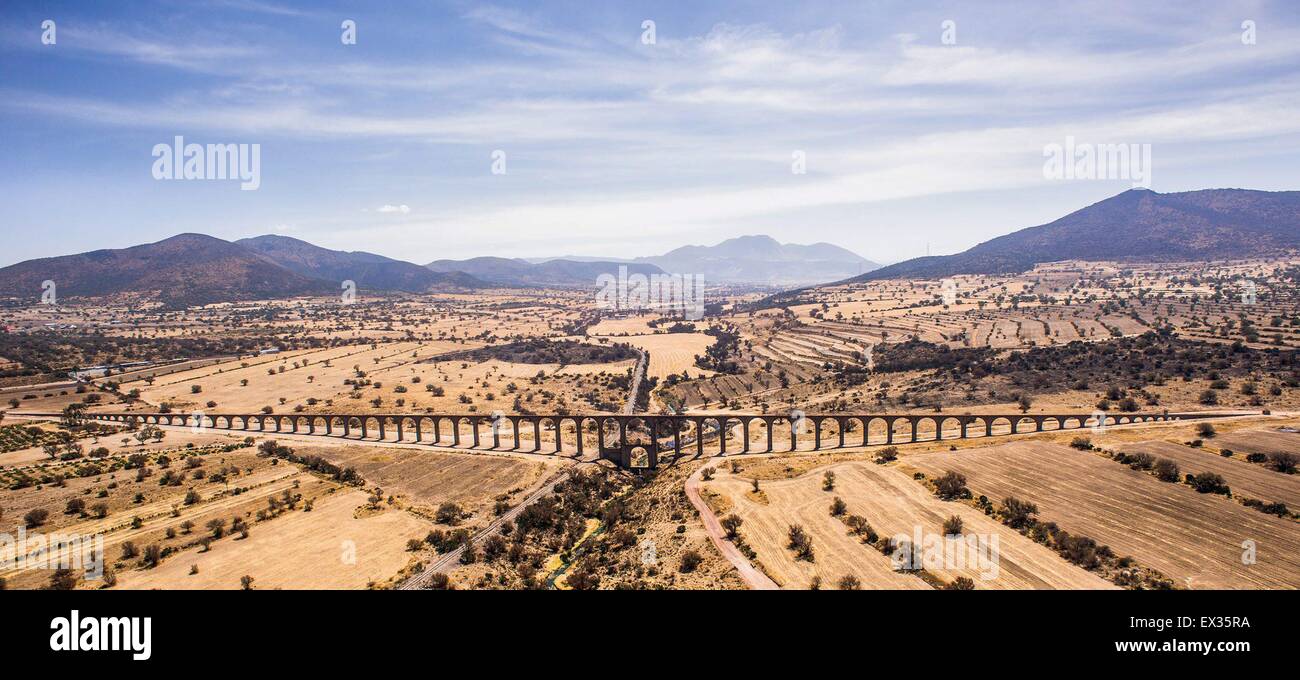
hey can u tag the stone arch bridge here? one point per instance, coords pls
(641, 440)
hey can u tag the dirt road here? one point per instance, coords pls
(755, 579)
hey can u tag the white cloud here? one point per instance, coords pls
(608, 138)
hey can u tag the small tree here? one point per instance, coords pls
(152, 555)
(35, 518)
(448, 513)
(690, 560)
(731, 524)
(1025, 404)
(838, 507)
(951, 485)
(1209, 482)
(1283, 462)
(1017, 513)
(800, 543)
(63, 579)
(952, 526)
(1167, 470)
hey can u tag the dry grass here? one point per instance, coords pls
(894, 505)
(327, 548)
(1195, 539)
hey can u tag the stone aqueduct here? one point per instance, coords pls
(636, 440)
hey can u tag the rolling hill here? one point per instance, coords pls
(186, 269)
(369, 271)
(1135, 225)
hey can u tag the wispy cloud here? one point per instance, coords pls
(695, 132)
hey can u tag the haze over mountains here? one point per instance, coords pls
(190, 269)
(1136, 225)
(757, 260)
(195, 269)
(517, 272)
(761, 259)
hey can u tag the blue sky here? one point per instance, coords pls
(619, 148)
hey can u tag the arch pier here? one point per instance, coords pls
(639, 441)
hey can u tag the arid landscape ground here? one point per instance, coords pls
(1194, 503)
(321, 299)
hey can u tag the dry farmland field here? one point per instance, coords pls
(334, 547)
(893, 504)
(1069, 337)
(1195, 539)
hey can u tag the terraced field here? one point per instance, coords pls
(893, 504)
(1195, 539)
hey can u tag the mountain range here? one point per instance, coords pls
(761, 259)
(557, 273)
(186, 269)
(195, 269)
(753, 259)
(1137, 225)
(369, 271)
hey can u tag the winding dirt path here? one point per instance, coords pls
(751, 575)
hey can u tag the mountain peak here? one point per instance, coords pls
(1138, 224)
(758, 258)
